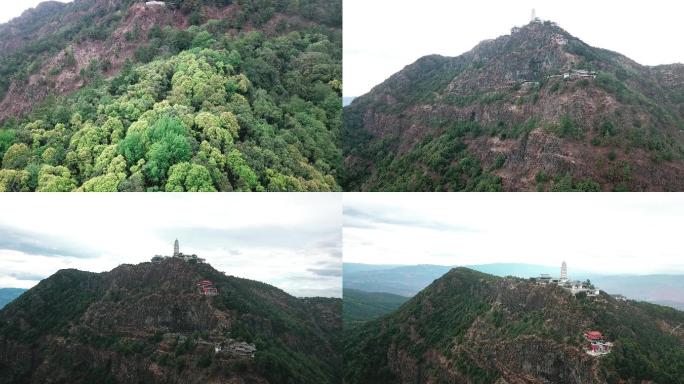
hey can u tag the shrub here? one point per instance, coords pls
(542, 177)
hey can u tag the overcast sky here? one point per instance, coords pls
(605, 233)
(10, 9)
(292, 241)
(383, 36)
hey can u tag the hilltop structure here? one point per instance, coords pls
(564, 282)
(534, 18)
(178, 254)
(564, 272)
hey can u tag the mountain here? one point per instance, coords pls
(188, 95)
(470, 327)
(402, 280)
(9, 294)
(149, 323)
(538, 109)
(360, 267)
(359, 306)
(407, 280)
(346, 100)
(660, 289)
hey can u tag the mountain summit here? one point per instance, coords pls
(535, 109)
(470, 327)
(168, 321)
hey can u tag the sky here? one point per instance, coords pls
(635, 233)
(291, 241)
(383, 36)
(10, 9)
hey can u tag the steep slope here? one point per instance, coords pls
(149, 323)
(210, 95)
(470, 327)
(505, 116)
(360, 306)
(9, 294)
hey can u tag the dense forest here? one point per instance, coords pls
(247, 101)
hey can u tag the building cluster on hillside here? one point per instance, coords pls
(576, 74)
(155, 3)
(206, 288)
(236, 348)
(598, 345)
(573, 287)
(221, 345)
(179, 255)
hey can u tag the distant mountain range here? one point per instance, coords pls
(471, 327)
(9, 294)
(346, 100)
(408, 280)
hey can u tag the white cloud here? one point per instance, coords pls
(606, 233)
(383, 36)
(280, 239)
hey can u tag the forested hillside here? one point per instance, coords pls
(470, 327)
(189, 96)
(148, 323)
(360, 306)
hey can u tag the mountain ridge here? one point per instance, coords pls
(407, 280)
(148, 322)
(498, 117)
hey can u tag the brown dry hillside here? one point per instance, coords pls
(45, 51)
(504, 117)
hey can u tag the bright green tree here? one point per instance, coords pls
(189, 177)
(16, 156)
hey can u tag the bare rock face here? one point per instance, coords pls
(536, 101)
(547, 361)
(151, 323)
(469, 327)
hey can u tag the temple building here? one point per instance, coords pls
(598, 345)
